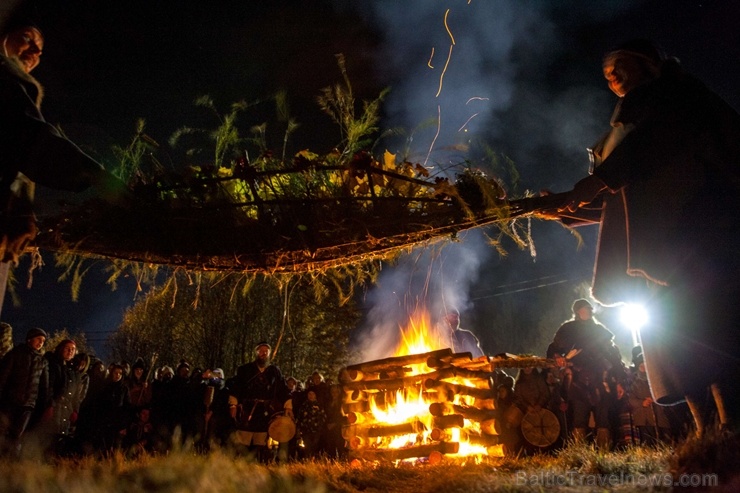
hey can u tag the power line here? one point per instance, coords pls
(522, 289)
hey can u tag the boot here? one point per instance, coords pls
(579, 435)
(696, 413)
(719, 401)
(603, 439)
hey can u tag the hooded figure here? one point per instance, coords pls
(667, 182)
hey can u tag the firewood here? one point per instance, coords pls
(360, 417)
(468, 412)
(396, 361)
(430, 383)
(406, 452)
(479, 363)
(384, 384)
(455, 359)
(449, 421)
(356, 407)
(397, 372)
(488, 427)
(346, 376)
(378, 430)
(507, 360)
(466, 435)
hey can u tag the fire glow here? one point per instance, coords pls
(413, 404)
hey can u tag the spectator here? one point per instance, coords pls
(258, 393)
(24, 378)
(597, 358)
(311, 420)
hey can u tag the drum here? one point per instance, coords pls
(281, 429)
(540, 428)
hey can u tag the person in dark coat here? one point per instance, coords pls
(64, 381)
(113, 411)
(258, 393)
(24, 381)
(666, 181)
(32, 150)
(597, 358)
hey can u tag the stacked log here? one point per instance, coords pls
(456, 389)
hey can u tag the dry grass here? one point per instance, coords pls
(185, 472)
(573, 469)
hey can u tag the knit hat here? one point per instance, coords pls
(139, 363)
(35, 332)
(218, 373)
(582, 303)
(641, 48)
(263, 343)
(21, 18)
(638, 360)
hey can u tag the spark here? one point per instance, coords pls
(429, 63)
(449, 55)
(477, 98)
(468, 121)
(442, 75)
(439, 125)
(448, 27)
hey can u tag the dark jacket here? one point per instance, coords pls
(31, 150)
(261, 394)
(24, 378)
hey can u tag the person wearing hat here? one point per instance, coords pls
(32, 150)
(258, 393)
(24, 381)
(587, 348)
(665, 183)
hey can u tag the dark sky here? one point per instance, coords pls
(532, 67)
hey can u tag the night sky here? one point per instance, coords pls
(533, 70)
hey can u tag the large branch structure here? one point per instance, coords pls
(285, 233)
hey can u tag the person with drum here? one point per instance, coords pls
(257, 395)
(595, 362)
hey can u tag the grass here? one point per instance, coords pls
(575, 468)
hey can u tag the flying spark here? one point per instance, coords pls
(429, 63)
(449, 55)
(452, 38)
(468, 121)
(476, 98)
(439, 125)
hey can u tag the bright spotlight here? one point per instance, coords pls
(634, 316)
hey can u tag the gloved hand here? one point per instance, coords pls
(583, 193)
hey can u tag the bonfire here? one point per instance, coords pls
(425, 401)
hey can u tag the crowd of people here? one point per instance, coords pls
(64, 402)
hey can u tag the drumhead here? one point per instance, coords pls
(281, 429)
(540, 428)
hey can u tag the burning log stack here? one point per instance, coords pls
(425, 405)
